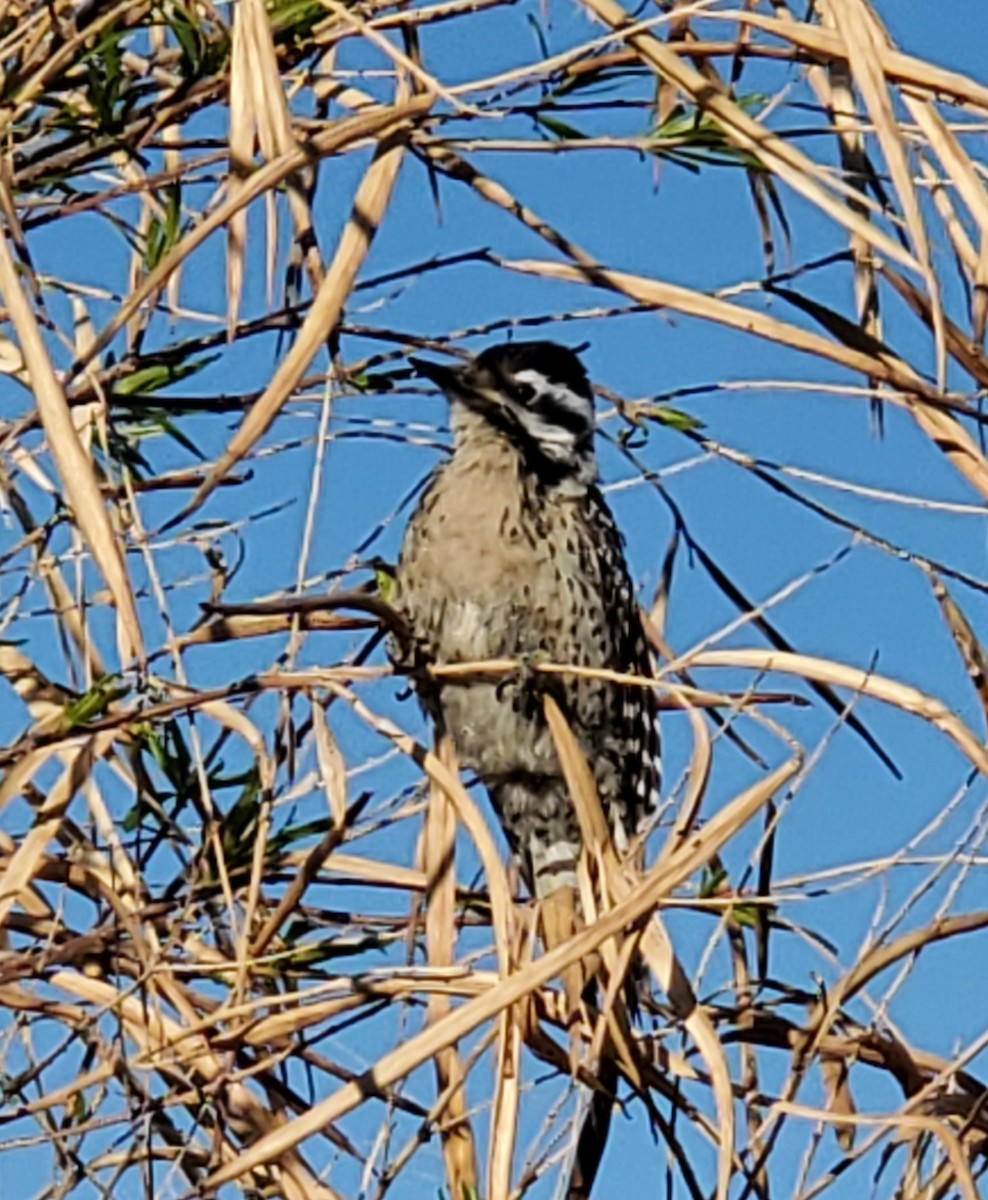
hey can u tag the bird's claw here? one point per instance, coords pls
(525, 681)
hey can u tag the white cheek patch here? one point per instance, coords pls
(558, 438)
(555, 443)
(563, 397)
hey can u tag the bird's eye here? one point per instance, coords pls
(523, 393)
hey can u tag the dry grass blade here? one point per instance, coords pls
(964, 177)
(75, 468)
(943, 429)
(959, 345)
(942, 197)
(332, 767)
(968, 645)
(274, 123)
(655, 946)
(237, 722)
(19, 872)
(902, 69)
(62, 1097)
(697, 849)
(439, 841)
(369, 206)
(886, 366)
(67, 50)
(905, 1125)
(864, 40)
(226, 884)
(777, 156)
(833, 88)
(505, 1107)
(466, 812)
(840, 1102)
(45, 701)
(241, 144)
(865, 683)
(62, 599)
(701, 761)
(260, 115)
(313, 862)
(378, 124)
(86, 417)
(159, 1038)
(592, 1138)
(406, 64)
(880, 958)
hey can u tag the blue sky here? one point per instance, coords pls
(867, 609)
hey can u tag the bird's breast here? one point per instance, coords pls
(494, 566)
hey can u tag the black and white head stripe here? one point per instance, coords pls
(554, 414)
(551, 362)
(539, 395)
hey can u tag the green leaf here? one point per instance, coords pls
(204, 47)
(173, 431)
(170, 753)
(110, 91)
(151, 379)
(746, 915)
(559, 129)
(134, 816)
(94, 703)
(163, 233)
(294, 19)
(673, 418)
(240, 824)
(384, 577)
(711, 881)
(329, 949)
(284, 838)
(372, 381)
(699, 137)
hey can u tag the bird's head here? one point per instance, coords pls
(536, 394)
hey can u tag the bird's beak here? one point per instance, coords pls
(449, 379)
(462, 384)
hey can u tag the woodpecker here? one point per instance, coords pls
(513, 553)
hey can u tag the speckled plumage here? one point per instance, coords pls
(513, 553)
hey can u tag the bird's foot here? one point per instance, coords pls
(525, 683)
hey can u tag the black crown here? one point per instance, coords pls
(556, 363)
